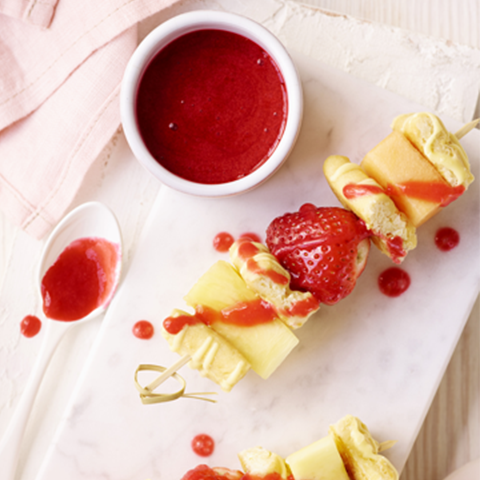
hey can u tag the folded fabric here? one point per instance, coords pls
(59, 89)
(32, 11)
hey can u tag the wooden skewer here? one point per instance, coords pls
(147, 394)
(386, 445)
(168, 373)
(466, 128)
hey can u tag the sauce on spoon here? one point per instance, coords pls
(81, 279)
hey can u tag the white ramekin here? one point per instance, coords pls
(165, 34)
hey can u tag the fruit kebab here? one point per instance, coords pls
(405, 180)
(348, 452)
(246, 311)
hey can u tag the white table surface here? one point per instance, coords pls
(450, 434)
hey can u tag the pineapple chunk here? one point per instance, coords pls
(318, 461)
(397, 165)
(220, 287)
(211, 354)
(259, 462)
(264, 345)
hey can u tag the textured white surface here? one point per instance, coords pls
(122, 185)
(369, 355)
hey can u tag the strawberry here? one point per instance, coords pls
(325, 250)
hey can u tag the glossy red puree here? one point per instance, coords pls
(204, 472)
(211, 106)
(203, 445)
(434, 192)
(245, 314)
(143, 329)
(222, 242)
(30, 326)
(81, 279)
(446, 238)
(393, 282)
(354, 190)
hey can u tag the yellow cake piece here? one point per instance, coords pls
(263, 273)
(360, 452)
(399, 167)
(211, 354)
(260, 462)
(429, 135)
(366, 198)
(318, 461)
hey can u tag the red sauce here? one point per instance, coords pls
(211, 106)
(203, 445)
(174, 325)
(251, 236)
(273, 275)
(434, 192)
(303, 307)
(245, 314)
(222, 242)
(393, 282)
(446, 238)
(30, 326)
(203, 472)
(395, 249)
(248, 314)
(81, 279)
(247, 249)
(143, 329)
(353, 190)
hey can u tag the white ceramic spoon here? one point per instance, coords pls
(92, 219)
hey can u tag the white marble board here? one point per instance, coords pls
(372, 356)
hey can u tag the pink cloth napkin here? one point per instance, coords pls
(61, 65)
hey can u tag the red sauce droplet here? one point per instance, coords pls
(143, 329)
(447, 238)
(82, 278)
(251, 236)
(354, 190)
(222, 242)
(393, 282)
(207, 110)
(30, 326)
(435, 192)
(203, 445)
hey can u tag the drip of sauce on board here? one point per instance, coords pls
(446, 239)
(203, 445)
(222, 242)
(393, 282)
(30, 326)
(143, 330)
